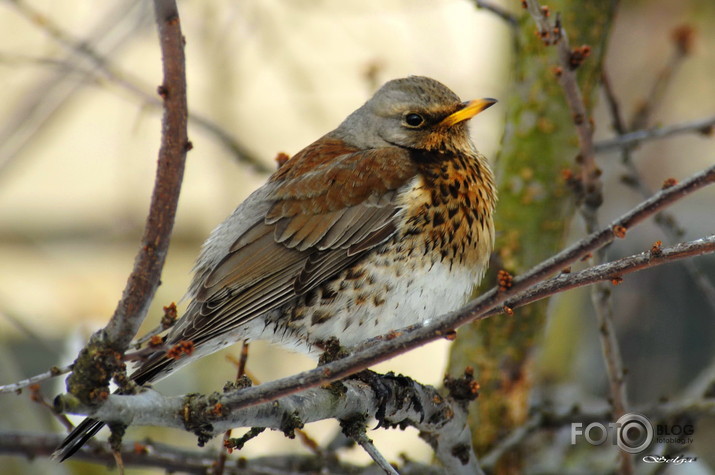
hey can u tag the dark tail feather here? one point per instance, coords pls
(77, 438)
(156, 367)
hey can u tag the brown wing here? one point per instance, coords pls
(327, 207)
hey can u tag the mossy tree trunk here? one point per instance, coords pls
(533, 213)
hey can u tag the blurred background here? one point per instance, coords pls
(79, 135)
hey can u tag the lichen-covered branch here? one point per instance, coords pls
(442, 422)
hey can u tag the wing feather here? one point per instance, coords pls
(323, 210)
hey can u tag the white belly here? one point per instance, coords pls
(386, 297)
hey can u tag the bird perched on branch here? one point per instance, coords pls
(383, 223)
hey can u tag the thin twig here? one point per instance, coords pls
(139, 342)
(660, 86)
(498, 11)
(516, 437)
(362, 439)
(103, 68)
(601, 296)
(37, 396)
(610, 271)
(167, 321)
(51, 373)
(666, 221)
(50, 94)
(223, 454)
(702, 126)
(57, 33)
(613, 104)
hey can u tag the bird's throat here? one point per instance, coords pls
(449, 207)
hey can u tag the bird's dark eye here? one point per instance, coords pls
(414, 120)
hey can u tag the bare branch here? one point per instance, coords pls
(602, 298)
(144, 280)
(613, 271)
(220, 463)
(379, 459)
(682, 39)
(666, 221)
(701, 126)
(102, 67)
(497, 10)
(51, 373)
(172, 459)
(590, 200)
(592, 196)
(50, 94)
(108, 344)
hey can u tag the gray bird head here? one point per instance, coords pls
(416, 112)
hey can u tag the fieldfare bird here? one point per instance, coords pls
(381, 224)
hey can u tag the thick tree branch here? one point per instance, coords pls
(441, 421)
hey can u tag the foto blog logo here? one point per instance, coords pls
(632, 433)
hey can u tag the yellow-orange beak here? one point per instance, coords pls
(469, 110)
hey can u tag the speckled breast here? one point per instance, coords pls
(430, 267)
